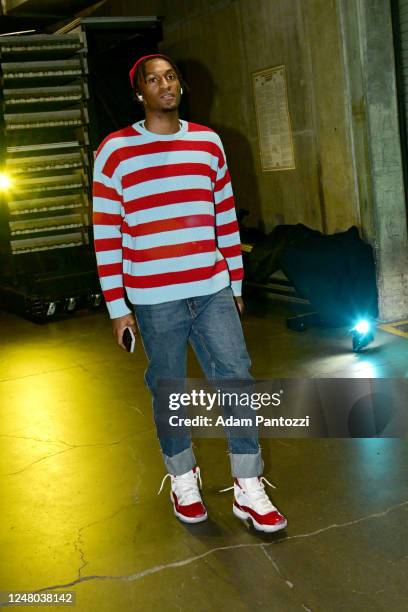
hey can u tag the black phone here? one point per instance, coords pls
(129, 339)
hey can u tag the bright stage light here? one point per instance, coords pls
(362, 334)
(5, 181)
(362, 327)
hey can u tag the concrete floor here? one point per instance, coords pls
(81, 469)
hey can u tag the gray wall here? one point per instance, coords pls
(333, 51)
(219, 44)
(372, 97)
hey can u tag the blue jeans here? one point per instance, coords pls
(212, 326)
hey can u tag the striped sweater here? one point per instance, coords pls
(165, 226)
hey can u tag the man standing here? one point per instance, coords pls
(166, 233)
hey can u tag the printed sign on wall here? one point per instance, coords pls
(273, 120)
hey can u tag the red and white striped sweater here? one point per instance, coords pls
(165, 226)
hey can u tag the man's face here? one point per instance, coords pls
(161, 87)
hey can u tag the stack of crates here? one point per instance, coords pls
(45, 244)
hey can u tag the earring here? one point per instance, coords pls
(140, 98)
(181, 91)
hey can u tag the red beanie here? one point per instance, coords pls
(135, 65)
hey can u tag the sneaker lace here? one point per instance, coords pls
(185, 486)
(258, 496)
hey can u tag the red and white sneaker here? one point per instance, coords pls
(185, 496)
(252, 502)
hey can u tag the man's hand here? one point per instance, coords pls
(239, 302)
(118, 326)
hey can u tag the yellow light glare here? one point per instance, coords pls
(5, 181)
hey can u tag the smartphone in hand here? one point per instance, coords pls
(238, 310)
(129, 339)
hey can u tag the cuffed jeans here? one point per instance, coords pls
(212, 326)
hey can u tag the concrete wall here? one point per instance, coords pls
(369, 48)
(342, 101)
(218, 44)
